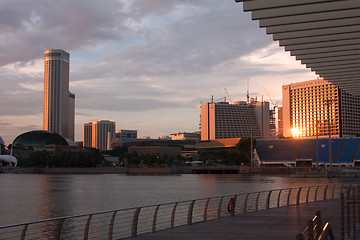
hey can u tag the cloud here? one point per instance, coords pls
(152, 61)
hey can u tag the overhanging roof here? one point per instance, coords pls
(323, 34)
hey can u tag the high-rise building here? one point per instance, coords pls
(99, 134)
(238, 120)
(87, 135)
(59, 103)
(308, 106)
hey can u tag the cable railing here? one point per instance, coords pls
(131, 222)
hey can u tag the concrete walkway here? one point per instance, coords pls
(277, 223)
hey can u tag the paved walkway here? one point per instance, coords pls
(277, 223)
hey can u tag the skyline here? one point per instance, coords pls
(146, 65)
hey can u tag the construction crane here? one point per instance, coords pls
(272, 102)
(228, 95)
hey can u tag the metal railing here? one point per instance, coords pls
(315, 230)
(130, 222)
(350, 212)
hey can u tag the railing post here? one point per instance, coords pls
(219, 207)
(245, 202)
(135, 222)
(307, 194)
(58, 228)
(205, 209)
(87, 226)
(23, 233)
(325, 192)
(299, 236)
(316, 192)
(173, 216)
(190, 212)
(354, 214)
(268, 200)
(233, 205)
(298, 196)
(257, 201)
(310, 231)
(318, 223)
(111, 225)
(279, 195)
(342, 215)
(288, 199)
(155, 218)
(333, 192)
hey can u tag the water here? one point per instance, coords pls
(29, 197)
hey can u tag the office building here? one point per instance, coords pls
(59, 102)
(311, 107)
(87, 135)
(100, 133)
(238, 120)
(126, 135)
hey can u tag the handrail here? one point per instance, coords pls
(130, 222)
(315, 229)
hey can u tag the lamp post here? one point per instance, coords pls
(328, 102)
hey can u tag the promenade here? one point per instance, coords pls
(276, 223)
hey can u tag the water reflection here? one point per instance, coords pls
(26, 197)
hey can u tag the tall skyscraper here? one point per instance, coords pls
(308, 106)
(59, 103)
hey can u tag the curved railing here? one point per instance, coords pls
(130, 222)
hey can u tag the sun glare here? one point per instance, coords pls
(295, 132)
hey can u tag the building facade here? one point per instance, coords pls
(185, 136)
(310, 108)
(126, 135)
(238, 120)
(99, 133)
(59, 103)
(87, 135)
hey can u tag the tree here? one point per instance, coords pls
(244, 146)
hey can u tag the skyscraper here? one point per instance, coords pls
(308, 106)
(59, 103)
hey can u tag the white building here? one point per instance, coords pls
(238, 120)
(59, 103)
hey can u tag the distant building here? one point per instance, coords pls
(238, 120)
(126, 135)
(185, 136)
(308, 106)
(87, 135)
(101, 134)
(167, 137)
(59, 102)
(156, 150)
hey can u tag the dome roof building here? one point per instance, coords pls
(39, 139)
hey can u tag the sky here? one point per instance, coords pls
(145, 64)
